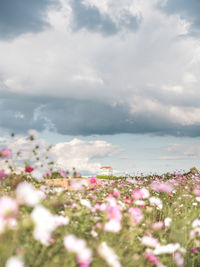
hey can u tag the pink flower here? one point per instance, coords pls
(5, 152)
(2, 174)
(116, 193)
(152, 258)
(137, 194)
(112, 226)
(114, 213)
(157, 225)
(162, 187)
(8, 208)
(93, 180)
(136, 215)
(29, 169)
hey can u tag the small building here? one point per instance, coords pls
(106, 170)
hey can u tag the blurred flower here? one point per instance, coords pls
(136, 215)
(5, 152)
(137, 194)
(14, 262)
(29, 169)
(128, 200)
(151, 258)
(162, 187)
(145, 193)
(86, 203)
(32, 134)
(108, 255)
(93, 180)
(112, 226)
(157, 225)
(167, 222)
(149, 241)
(168, 249)
(61, 220)
(2, 174)
(45, 224)
(27, 194)
(8, 208)
(178, 259)
(155, 201)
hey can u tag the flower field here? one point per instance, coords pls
(137, 221)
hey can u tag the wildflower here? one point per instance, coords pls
(112, 226)
(167, 222)
(168, 249)
(157, 225)
(45, 224)
(137, 194)
(155, 201)
(5, 153)
(145, 193)
(27, 194)
(2, 174)
(178, 259)
(108, 255)
(162, 187)
(196, 223)
(113, 213)
(128, 200)
(8, 208)
(86, 203)
(149, 241)
(32, 134)
(14, 262)
(29, 169)
(93, 180)
(61, 220)
(136, 215)
(151, 258)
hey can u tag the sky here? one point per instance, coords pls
(110, 82)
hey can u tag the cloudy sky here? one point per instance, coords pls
(110, 82)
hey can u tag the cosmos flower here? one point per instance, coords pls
(29, 169)
(5, 153)
(108, 255)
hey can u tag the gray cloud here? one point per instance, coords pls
(17, 17)
(90, 18)
(82, 117)
(188, 10)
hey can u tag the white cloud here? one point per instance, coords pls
(81, 154)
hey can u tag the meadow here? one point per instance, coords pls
(130, 221)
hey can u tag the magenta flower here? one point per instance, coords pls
(29, 169)
(93, 180)
(128, 200)
(152, 258)
(5, 152)
(2, 174)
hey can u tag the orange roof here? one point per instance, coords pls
(106, 167)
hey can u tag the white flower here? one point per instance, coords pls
(14, 262)
(145, 193)
(45, 224)
(149, 241)
(167, 222)
(27, 194)
(168, 249)
(112, 226)
(140, 202)
(86, 203)
(61, 220)
(155, 201)
(32, 133)
(108, 255)
(196, 223)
